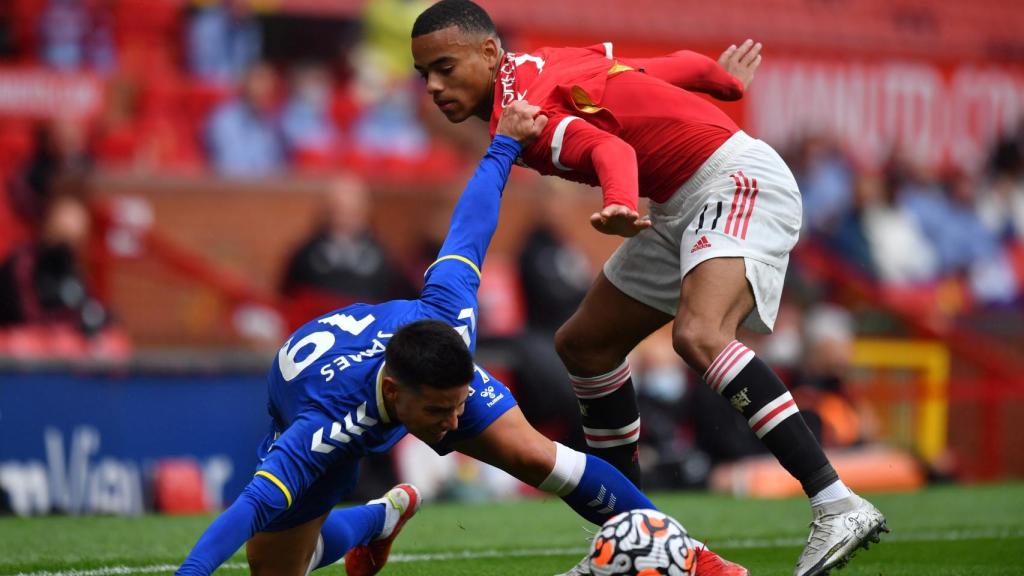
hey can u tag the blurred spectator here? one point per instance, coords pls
(662, 383)
(41, 283)
(223, 41)
(77, 34)
(825, 177)
(896, 248)
(342, 262)
(7, 44)
(243, 135)
(963, 245)
(1001, 204)
(309, 130)
(819, 384)
(946, 216)
(385, 84)
(60, 153)
(555, 276)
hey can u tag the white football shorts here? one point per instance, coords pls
(742, 202)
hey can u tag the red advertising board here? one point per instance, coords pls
(933, 115)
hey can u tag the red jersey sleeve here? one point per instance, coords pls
(575, 145)
(690, 71)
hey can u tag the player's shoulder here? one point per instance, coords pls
(354, 324)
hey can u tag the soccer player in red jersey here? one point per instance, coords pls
(725, 211)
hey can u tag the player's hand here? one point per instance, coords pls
(521, 121)
(618, 220)
(741, 61)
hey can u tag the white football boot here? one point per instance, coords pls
(839, 528)
(581, 569)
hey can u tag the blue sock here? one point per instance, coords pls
(603, 492)
(347, 528)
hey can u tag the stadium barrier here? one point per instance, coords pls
(92, 443)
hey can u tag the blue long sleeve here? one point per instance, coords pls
(476, 214)
(258, 504)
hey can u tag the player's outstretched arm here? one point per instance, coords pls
(476, 214)
(290, 467)
(585, 147)
(742, 61)
(692, 71)
(258, 504)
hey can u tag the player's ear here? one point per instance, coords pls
(491, 50)
(389, 388)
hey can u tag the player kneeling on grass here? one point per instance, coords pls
(356, 380)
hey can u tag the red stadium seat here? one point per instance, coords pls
(178, 487)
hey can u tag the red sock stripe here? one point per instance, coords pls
(601, 385)
(613, 437)
(768, 417)
(726, 360)
(724, 378)
(595, 440)
(717, 363)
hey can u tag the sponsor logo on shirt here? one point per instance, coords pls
(507, 76)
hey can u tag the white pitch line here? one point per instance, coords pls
(944, 536)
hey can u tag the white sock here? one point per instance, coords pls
(391, 516)
(834, 491)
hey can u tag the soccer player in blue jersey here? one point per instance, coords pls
(356, 380)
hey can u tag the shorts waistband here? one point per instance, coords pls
(736, 144)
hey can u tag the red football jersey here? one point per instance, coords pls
(630, 126)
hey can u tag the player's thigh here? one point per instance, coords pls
(714, 299)
(513, 445)
(607, 325)
(284, 553)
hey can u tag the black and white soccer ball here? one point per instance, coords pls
(643, 543)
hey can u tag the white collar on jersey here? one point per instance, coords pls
(380, 396)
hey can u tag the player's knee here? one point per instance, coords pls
(698, 341)
(259, 563)
(569, 345)
(581, 354)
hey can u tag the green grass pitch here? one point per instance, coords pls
(942, 531)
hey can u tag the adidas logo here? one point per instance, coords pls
(701, 244)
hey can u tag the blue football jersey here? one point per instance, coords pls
(325, 383)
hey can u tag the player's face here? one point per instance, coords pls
(459, 71)
(429, 413)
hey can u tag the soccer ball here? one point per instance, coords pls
(642, 543)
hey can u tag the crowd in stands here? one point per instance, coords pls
(910, 227)
(189, 90)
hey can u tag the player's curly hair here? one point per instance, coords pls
(465, 14)
(429, 353)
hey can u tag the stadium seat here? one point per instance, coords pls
(178, 487)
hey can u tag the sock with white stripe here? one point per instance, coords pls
(757, 393)
(591, 486)
(611, 419)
